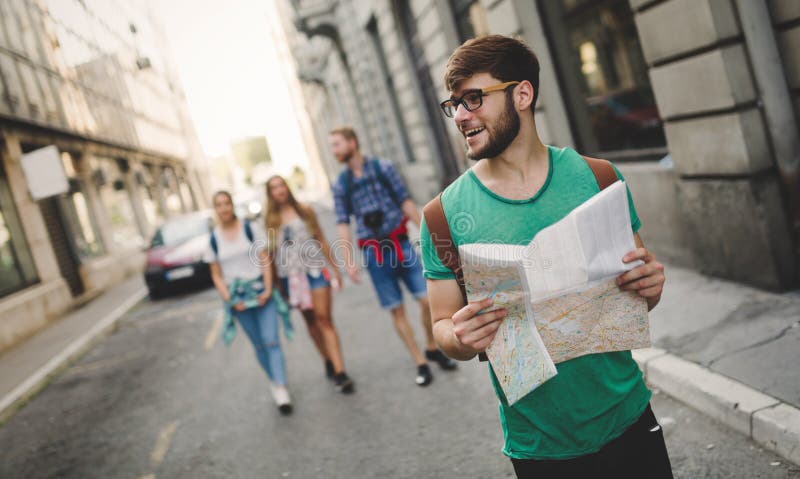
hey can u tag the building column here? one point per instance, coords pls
(30, 216)
(552, 121)
(137, 201)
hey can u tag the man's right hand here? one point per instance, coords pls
(475, 330)
(354, 273)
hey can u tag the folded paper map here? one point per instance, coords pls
(560, 292)
(518, 356)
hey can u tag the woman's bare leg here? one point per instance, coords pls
(321, 298)
(315, 332)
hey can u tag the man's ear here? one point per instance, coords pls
(523, 96)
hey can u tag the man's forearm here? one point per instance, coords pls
(447, 341)
(411, 212)
(343, 230)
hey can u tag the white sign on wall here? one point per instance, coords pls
(44, 172)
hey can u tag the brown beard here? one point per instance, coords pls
(349, 156)
(500, 137)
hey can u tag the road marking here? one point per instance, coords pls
(163, 443)
(213, 333)
(149, 476)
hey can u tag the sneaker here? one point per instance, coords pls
(343, 383)
(443, 361)
(281, 396)
(424, 376)
(329, 373)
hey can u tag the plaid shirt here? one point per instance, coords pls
(367, 194)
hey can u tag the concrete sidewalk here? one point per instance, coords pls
(725, 349)
(27, 367)
(732, 352)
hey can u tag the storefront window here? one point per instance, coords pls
(186, 194)
(596, 46)
(16, 264)
(171, 192)
(117, 200)
(150, 201)
(75, 208)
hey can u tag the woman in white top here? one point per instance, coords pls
(301, 252)
(240, 268)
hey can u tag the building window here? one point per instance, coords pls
(187, 194)
(75, 208)
(172, 196)
(116, 198)
(17, 270)
(605, 78)
(150, 201)
(470, 19)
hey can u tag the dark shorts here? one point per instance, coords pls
(638, 453)
(387, 276)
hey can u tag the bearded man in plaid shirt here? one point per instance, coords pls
(372, 191)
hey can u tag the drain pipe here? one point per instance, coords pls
(759, 36)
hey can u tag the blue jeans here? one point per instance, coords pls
(261, 326)
(386, 277)
(313, 282)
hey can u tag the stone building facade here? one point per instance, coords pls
(92, 79)
(696, 101)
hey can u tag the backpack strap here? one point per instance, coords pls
(346, 180)
(446, 248)
(248, 231)
(442, 240)
(603, 172)
(212, 238)
(213, 242)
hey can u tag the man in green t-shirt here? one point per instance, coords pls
(593, 417)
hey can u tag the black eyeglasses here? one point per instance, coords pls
(471, 99)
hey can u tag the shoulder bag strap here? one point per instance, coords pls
(446, 249)
(603, 172)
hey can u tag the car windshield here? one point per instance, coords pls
(178, 230)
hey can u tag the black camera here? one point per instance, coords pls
(373, 219)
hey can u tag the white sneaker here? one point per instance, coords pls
(281, 396)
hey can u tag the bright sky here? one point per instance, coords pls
(229, 70)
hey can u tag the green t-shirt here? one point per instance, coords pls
(593, 398)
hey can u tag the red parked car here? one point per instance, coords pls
(175, 256)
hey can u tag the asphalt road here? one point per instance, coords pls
(163, 398)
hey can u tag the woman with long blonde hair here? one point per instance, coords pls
(301, 252)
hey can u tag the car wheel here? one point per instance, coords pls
(154, 294)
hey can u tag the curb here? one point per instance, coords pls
(768, 421)
(35, 382)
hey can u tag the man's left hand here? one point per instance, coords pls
(647, 279)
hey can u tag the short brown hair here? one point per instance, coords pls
(505, 58)
(347, 132)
